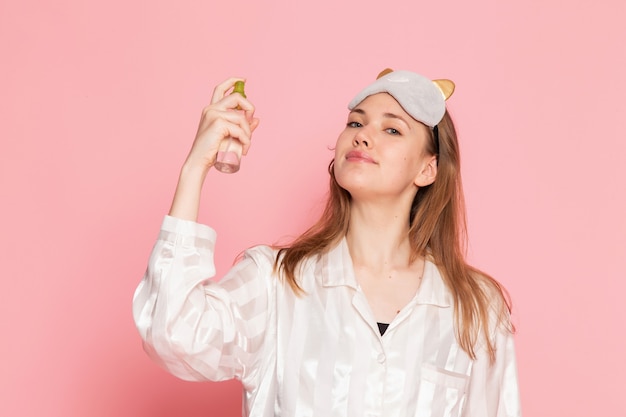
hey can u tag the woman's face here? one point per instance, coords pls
(382, 151)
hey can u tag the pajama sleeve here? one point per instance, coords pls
(194, 327)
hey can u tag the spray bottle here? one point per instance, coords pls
(229, 153)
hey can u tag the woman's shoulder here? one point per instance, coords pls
(261, 254)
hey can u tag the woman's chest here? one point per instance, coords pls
(328, 347)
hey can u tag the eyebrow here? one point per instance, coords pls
(386, 115)
(395, 116)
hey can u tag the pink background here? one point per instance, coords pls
(99, 102)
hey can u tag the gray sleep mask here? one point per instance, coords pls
(423, 99)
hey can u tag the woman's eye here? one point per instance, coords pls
(393, 131)
(354, 124)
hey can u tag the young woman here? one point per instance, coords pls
(371, 312)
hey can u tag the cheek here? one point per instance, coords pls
(403, 163)
(342, 142)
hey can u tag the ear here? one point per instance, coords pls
(428, 174)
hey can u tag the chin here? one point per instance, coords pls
(353, 183)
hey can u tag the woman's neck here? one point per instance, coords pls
(378, 236)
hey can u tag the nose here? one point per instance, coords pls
(361, 139)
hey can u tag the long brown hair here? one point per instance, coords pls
(437, 229)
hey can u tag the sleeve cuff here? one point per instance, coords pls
(187, 228)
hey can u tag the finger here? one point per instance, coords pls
(211, 114)
(236, 127)
(253, 125)
(220, 90)
(233, 102)
(207, 142)
(237, 133)
(239, 119)
(239, 102)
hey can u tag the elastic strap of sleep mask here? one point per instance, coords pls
(436, 139)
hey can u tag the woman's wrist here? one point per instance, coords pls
(186, 202)
(193, 171)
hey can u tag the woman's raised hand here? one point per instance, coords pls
(228, 115)
(219, 121)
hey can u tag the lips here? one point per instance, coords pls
(359, 156)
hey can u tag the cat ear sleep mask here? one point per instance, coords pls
(423, 99)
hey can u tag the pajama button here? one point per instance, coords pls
(381, 358)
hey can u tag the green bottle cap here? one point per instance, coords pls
(239, 88)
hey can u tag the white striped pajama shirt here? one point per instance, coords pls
(317, 355)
